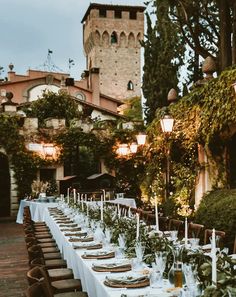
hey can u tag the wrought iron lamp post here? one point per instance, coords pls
(167, 123)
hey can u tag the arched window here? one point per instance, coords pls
(131, 40)
(80, 96)
(97, 38)
(139, 38)
(105, 39)
(130, 86)
(122, 39)
(113, 37)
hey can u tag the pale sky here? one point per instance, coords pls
(28, 28)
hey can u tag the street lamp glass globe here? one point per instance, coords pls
(167, 124)
(141, 138)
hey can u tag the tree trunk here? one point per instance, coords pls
(225, 35)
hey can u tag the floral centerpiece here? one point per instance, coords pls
(38, 187)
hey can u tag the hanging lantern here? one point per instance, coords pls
(49, 150)
(141, 138)
(167, 124)
(133, 147)
(123, 149)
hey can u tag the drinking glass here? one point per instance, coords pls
(160, 260)
(194, 242)
(174, 235)
(139, 251)
(155, 277)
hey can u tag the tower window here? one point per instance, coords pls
(102, 13)
(113, 37)
(133, 15)
(130, 86)
(118, 14)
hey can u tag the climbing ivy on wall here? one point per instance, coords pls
(24, 163)
(206, 116)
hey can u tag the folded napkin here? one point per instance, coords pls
(126, 280)
(111, 266)
(88, 246)
(81, 239)
(98, 255)
(76, 234)
(68, 225)
(71, 229)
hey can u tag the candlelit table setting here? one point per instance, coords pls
(126, 257)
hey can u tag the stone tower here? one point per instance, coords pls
(111, 38)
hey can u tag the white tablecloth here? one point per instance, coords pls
(37, 210)
(92, 282)
(125, 201)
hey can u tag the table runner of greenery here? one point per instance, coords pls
(226, 272)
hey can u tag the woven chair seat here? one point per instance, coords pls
(60, 273)
(49, 249)
(52, 256)
(66, 285)
(46, 240)
(57, 263)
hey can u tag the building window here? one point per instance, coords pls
(133, 15)
(118, 14)
(80, 96)
(130, 86)
(102, 13)
(113, 37)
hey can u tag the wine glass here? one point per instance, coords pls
(160, 260)
(139, 251)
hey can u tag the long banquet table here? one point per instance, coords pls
(37, 210)
(92, 282)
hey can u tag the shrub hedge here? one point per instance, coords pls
(218, 210)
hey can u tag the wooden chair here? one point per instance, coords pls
(54, 272)
(37, 274)
(36, 290)
(31, 240)
(195, 230)
(176, 225)
(41, 240)
(49, 254)
(49, 264)
(41, 289)
(163, 223)
(208, 234)
(34, 253)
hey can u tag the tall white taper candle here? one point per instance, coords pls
(137, 228)
(214, 259)
(156, 215)
(186, 231)
(101, 208)
(74, 195)
(82, 202)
